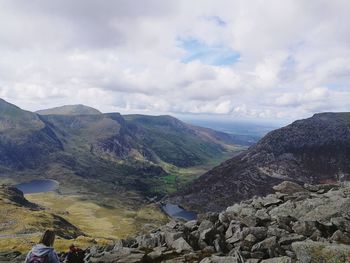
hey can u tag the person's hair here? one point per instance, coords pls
(48, 238)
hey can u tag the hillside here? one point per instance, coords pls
(70, 110)
(76, 143)
(313, 150)
(19, 217)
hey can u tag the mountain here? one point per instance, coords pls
(26, 140)
(122, 153)
(70, 110)
(314, 150)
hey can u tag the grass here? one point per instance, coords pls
(96, 220)
(101, 222)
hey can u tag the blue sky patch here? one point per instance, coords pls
(216, 20)
(211, 55)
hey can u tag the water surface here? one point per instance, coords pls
(176, 211)
(38, 186)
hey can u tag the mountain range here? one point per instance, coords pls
(130, 152)
(313, 150)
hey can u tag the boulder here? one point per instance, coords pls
(262, 215)
(205, 224)
(170, 237)
(340, 237)
(270, 200)
(217, 259)
(288, 187)
(268, 243)
(310, 251)
(180, 245)
(277, 260)
(305, 228)
(285, 240)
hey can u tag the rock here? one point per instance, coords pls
(208, 235)
(180, 245)
(206, 224)
(250, 238)
(285, 240)
(262, 215)
(305, 228)
(259, 232)
(341, 223)
(172, 224)
(123, 255)
(257, 255)
(285, 209)
(216, 259)
(340, 237)
(219, 245)
(191, 225)
(253, 260)
(170, 237)
(322, 188)
(155, 255)
(234, 210)
(223, 218)
(232, 229)
(310, 251)
(249, 221)
(278, 260)
(210, 216)
(275, 231)
(150, 240)
(271, 200)
(267, 243)
(288, 187)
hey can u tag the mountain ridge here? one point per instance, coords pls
(312, 150)
(134, 152)
(77, 109)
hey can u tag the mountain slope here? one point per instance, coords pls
(176, 142)
(121, 153)
(26, 140)
(70, 110)
(313, 150)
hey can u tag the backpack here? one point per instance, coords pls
(76, 256)
(38, 259)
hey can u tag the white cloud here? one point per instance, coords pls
(125, 56)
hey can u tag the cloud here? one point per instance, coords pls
(239, 58)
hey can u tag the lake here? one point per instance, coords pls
(37, 186)
(176, 211)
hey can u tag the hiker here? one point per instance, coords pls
(44, 251)
(75, 255)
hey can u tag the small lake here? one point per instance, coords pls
(176, 211)
(38, 186)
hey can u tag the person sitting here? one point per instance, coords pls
(75, 255)
(43, 252)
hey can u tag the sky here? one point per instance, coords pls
(239, 59)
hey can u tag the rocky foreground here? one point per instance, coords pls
(296, 224)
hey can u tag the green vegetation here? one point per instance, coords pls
(70, 110)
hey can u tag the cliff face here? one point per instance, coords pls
(313, 150)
